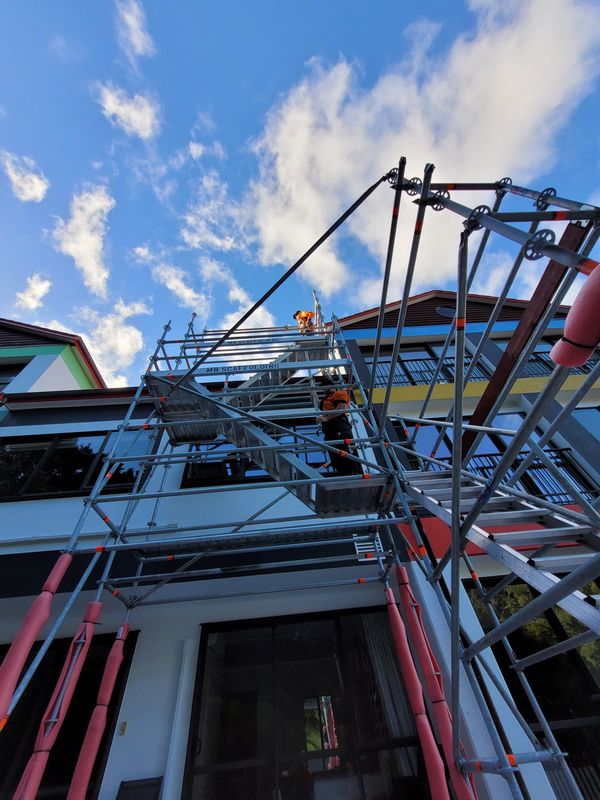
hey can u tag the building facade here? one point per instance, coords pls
(243, 577)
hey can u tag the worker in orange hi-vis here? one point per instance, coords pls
(306, 326)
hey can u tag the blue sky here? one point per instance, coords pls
(163, 158)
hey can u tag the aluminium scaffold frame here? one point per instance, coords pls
(252, 414)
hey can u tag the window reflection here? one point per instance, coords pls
(237, 706)
(218, 462)
(310, 709)
(66, 464)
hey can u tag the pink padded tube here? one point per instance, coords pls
(433, 762)
(34, 621)
(582, 326)
(53, 718)
(97, 724)
(433, 683)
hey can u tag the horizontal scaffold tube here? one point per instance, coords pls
(433, 682)
(433, 762)
(36, 618)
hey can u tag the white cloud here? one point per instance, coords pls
(179, 160)
(133, 37)
(216, 272)
(196, 150)
(27, 182)
(177, 281)
(492, 276)
(484, 109)
(143, 253)
(31, 297)
(113, 341)
(574, 290)
(82, 236)
(151, 169)
(137, 115)
(213, 220)
(204, 122)
(63, 50)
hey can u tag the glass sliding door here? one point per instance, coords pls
(308, 708)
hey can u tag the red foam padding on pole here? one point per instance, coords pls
(582, 326)
(433, 682)
(97, 724)
(431, 756)
(32, 777)
(54, 717)
(434, 766)
(34, 621)
(87, 754)
(58, 571)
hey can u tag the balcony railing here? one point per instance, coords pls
(421, 371)
(537, 480)
(540, 364)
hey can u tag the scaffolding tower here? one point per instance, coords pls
(247, 398)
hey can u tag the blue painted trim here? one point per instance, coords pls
(419, 331)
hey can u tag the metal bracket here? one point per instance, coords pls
(392, 178)
(472, 222)
(501, 186)
(441, 194)
(414, 186)
(543, 200)
(532, 247)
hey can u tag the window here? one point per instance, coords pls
(66, 464)
(19, 735)
(302, 708)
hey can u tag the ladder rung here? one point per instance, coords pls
(465, 491)
(510, 517)
(467, 503)
(561, 563)
(540, 536)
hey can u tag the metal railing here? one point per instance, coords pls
(540, 364)
(421, 371)
(538, 480)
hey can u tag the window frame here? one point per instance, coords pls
(357, 750)
(49, 444)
